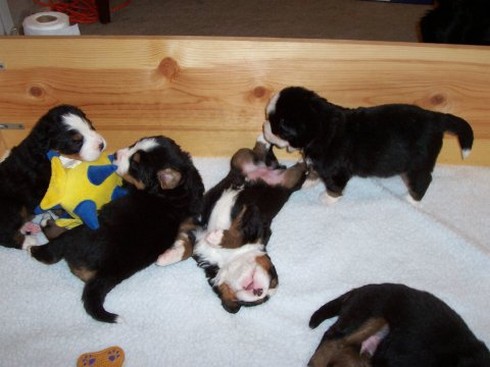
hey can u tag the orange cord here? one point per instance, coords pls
(79, 11)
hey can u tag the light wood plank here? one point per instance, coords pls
(210, 93)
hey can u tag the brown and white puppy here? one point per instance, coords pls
(411, 328)
(381, 141)
(236, 220)
(164, 190)
(26, 171)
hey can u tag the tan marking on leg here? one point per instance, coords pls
(83, 273)
(294, 175)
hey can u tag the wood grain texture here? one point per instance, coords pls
(209, 94)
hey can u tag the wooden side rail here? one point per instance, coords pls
(209, 94)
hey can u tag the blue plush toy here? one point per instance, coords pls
(81, 189)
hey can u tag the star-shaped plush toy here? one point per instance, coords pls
(81, 189)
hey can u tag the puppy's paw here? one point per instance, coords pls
(29, 242)
(411, 200)
(214, 238)
(261, 140)
(173, 254)
(328, 199)
(30, 228)
(310, 182)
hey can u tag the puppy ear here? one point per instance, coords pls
(266, 263)
(228, 299)
(169, 178)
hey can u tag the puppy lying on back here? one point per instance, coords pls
(387, 140)
(164, 191)
(399, 326)
(237, 217)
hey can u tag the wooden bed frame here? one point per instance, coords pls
(209, 94)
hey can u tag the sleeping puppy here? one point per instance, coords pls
(164, 190)
(378, 141)
(237, 217)
(411, 328)
(25, 172)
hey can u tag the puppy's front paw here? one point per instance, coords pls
(29, 242)
(328, 199)
(310, 182)
(261, 140)
(173, 254)
(42, 254)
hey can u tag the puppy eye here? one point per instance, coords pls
(136, 158)
(77, 139)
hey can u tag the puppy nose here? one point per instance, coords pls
(101, 146)
(258, 292)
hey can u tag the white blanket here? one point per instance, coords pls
(172, 317)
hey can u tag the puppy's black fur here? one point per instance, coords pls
(423, 330)
(25, 173)
(457, 22)
(165, 190)
(378, 141)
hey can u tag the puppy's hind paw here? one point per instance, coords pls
(214, 238)
(411, 200)
(327, 199)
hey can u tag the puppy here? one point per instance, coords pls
(25, 172)
(457, 22)
(164, 190)
(237, 217)
(414, 328)
(378, 141)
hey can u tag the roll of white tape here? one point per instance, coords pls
(49, 23)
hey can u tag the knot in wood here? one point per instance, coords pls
(438, 99)
(36, 91)
(169, 68)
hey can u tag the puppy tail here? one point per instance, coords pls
(463, 131)
(94, 295)
(327, 311)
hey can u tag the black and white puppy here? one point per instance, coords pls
(164, 190)
(25, 172)
(408, 327)
(237, 218)
(386, 140)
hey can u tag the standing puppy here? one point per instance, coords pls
(164, 190)
(414, 328)
(237, 216)
(378, 141)
(25, 173)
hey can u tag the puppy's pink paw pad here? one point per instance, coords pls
(30, 228)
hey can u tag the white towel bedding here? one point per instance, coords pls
(172, 317)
